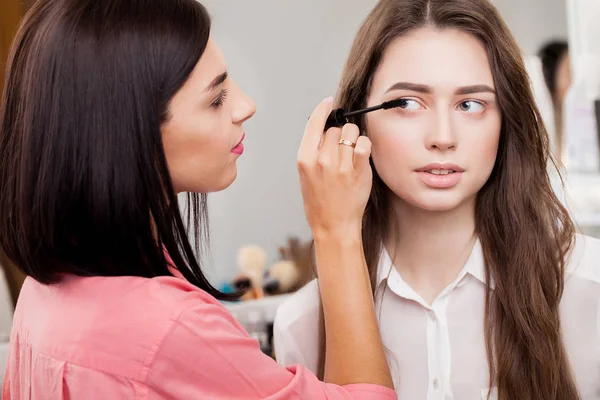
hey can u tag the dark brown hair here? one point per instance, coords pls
(524, 230)
(84, 183)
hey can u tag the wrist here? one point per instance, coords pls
(343, 237)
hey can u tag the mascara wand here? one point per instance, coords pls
(339, 117)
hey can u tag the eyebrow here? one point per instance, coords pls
(217, 81)
(475, 89)
(417, 87)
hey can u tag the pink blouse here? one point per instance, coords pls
(136, 338)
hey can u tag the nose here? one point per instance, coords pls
(243, 108)
(442, 135)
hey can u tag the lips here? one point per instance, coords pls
(440, 176)
(239, 148)
(441, 169)
(241, 140)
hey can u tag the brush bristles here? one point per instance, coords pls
(393, 104)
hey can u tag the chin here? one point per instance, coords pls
(226, 181)
(222, 182)
(437, 206)
(436, 200)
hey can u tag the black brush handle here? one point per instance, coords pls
(336, 119)
(339, 117)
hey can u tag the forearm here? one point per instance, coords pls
(354, 355)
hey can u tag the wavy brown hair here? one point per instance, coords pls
(524, 230)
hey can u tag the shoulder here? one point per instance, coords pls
(194, 327)
(304, 306)
(160, 300)
(181, 304)
(580, 305)
(584, 259)
(296, 328)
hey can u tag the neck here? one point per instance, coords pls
(429, 248)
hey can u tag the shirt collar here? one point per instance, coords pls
(475, 266)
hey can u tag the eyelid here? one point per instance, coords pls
(483, 102)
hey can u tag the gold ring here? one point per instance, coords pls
(347, 143)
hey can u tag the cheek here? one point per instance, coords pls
(187, 144)
(399, 149)
(395, 142)
(481, 146)
(197, 149)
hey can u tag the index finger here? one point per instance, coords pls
(314, 129)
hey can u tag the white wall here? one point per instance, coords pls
(534, 21)
(288, 55)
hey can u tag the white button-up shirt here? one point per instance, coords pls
(437, 351)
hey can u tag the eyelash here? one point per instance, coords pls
(219, 100)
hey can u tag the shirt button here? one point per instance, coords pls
(436, 384)
(432, 317)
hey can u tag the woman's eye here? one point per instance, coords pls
(218, 102)
(410, 105)
(471, 106)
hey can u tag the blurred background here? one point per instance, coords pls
(288, 55)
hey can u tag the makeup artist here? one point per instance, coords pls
(111, 109)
